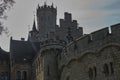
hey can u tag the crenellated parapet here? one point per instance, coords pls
(92, 42)
(68, 22)
(68, 29)
(46, 8)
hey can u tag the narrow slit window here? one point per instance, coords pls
(90, 72)
(106, 70)
(111, 67)
(24, 75)
(95, 71)
(48, 71)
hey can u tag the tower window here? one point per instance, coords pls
(48, 18)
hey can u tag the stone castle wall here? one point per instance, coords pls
(85, 57)
(92, 51)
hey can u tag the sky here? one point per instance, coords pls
(92, 15)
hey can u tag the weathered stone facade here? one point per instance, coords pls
(93, 58)
(54, 52)
(4, 65)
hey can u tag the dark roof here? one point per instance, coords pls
(23, 51)
(4, 55)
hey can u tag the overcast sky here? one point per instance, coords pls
(91, 15)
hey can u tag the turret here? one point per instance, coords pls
(46, 20)
(48, 54)
(33, 34)
(34, 26)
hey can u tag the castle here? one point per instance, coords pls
(62, 52)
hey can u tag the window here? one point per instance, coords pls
(24, 75)
(6, 76)
(2, 76)
(48, 18)
(18, 75)
(48, 71)
(111, 67)
(90, 72)
(106, 69)
(95, 72)
(68, 78)
(39, 64)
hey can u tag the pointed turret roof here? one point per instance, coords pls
(34, 26)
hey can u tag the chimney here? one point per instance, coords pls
(23, 39)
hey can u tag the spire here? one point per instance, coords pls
(38, 6)
(45, 5)
(34, 26)
(52, 4)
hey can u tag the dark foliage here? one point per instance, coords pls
(4, 6)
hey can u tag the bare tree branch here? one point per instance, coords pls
(4, 6)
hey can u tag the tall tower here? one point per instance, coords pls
(46, 20)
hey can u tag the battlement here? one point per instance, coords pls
(67, 21)
(46, 20)
(115, 29)
(100, 34)
(47, 8)
(67, 17)
(69, 28)
(90, 42)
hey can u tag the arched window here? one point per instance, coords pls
(18, 75)
(95, 71)
(6, 76)
(2, 76)
(38, 65)
(111, 67)
(24, 75)
(68, 78)
(90, 72)
(106, 69)
(48, 71)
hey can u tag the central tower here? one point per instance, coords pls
(46, 20)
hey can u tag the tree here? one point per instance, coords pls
(4, 6)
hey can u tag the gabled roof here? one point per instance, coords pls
(23, 51)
